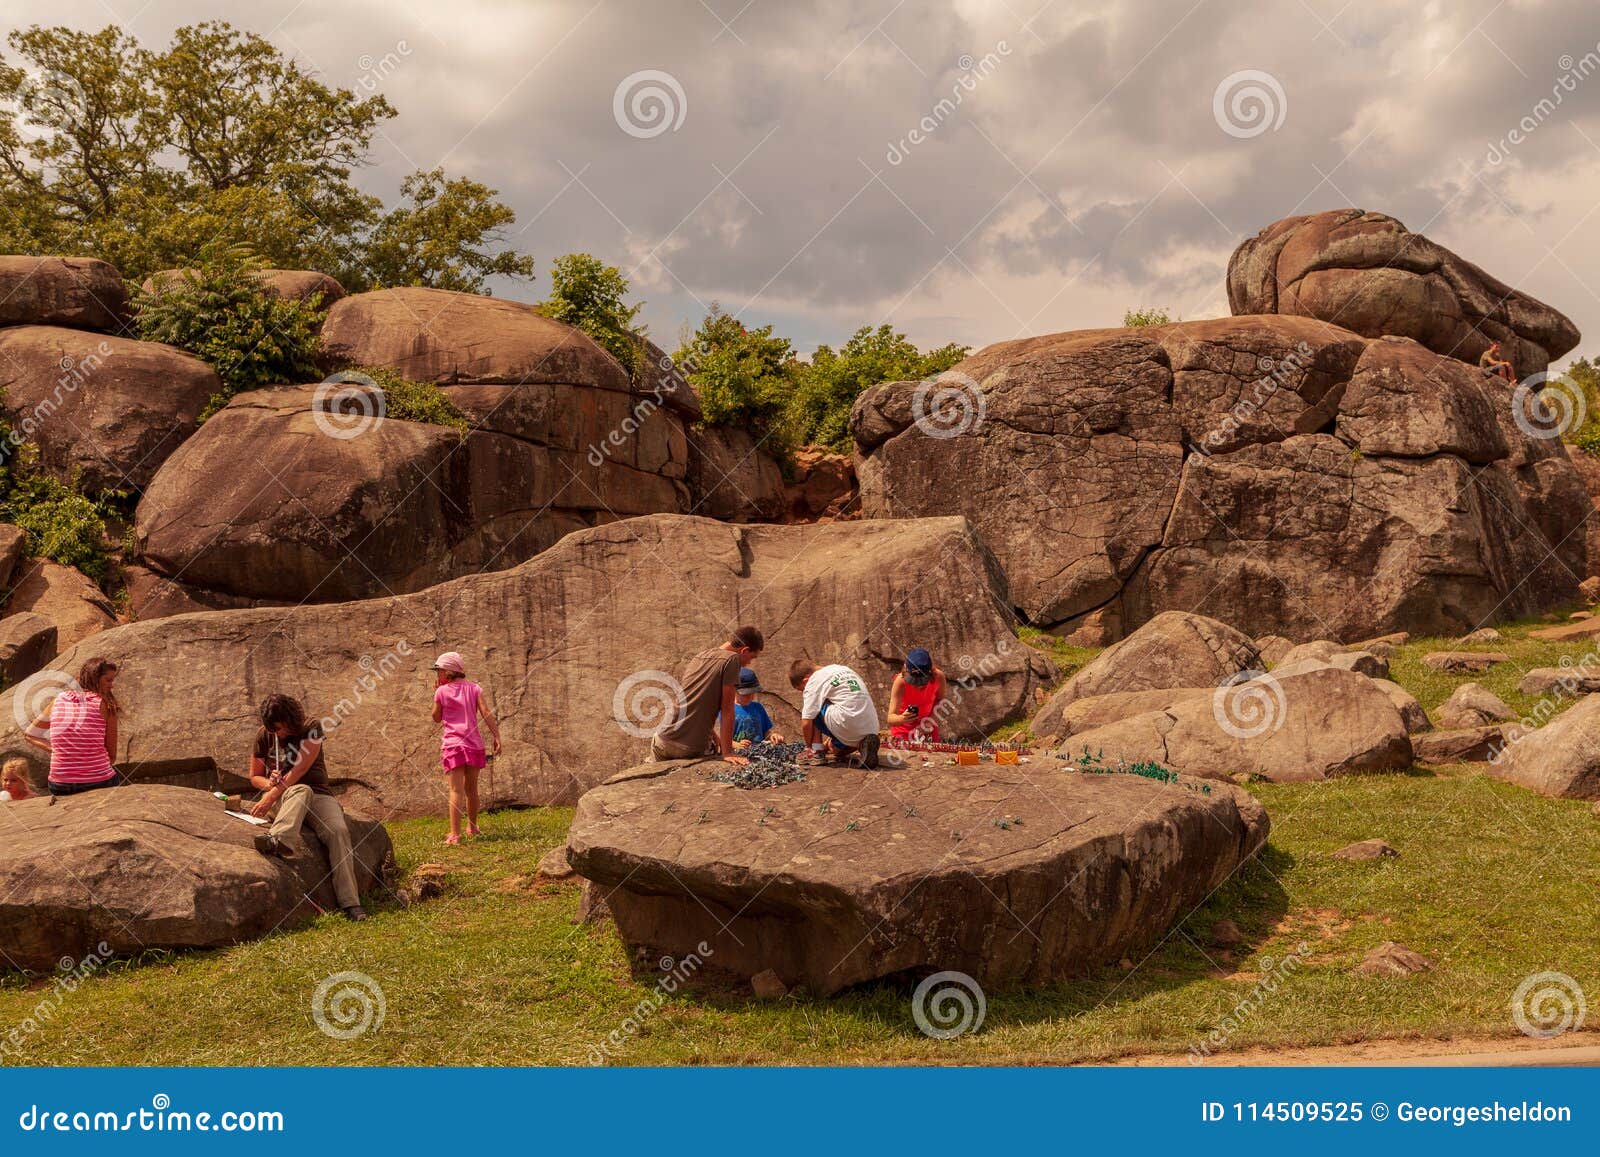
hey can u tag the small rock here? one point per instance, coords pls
(1391, 959)
(1589, 588)
(553, 866)
(1397, 639)
(1471, 705)
(768, 986)
(1226, 934)
(1579, 616)
(425, 882)
(1482, 635)
(1463, 662)
(1468, 745)
(1562, 681)
(1364, 850)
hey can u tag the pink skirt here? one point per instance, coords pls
(454, 757)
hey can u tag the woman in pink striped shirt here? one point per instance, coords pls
(79, 730)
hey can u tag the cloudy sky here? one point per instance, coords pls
(969, 170)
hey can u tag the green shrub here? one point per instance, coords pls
(827, 389)
(415, 401)
(587, 293)
(62, 525)
(1136, 318)
(745, 377)
(221, 313)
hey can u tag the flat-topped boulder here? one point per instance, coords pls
(153, 866)
(1309, 727)
(81, 292)
(310, 514)
(106, 411)
(579, 650)
(439, 335)
(1270, 470)
(1022, 875)
(1560, 759)
(1368, 273)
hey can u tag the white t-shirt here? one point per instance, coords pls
(851, 715)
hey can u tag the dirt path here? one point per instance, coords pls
(1573, 1048)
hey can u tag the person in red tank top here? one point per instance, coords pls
(914, 699)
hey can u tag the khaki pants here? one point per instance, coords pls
(300, 803)
(662, 750)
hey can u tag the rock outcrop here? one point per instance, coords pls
(153, 866)
(106, 411)
(578, 648)
(1368, 273)
(74, 291)
(1560, 759)
(1009, 875)
(63, 595)
(1273, 470)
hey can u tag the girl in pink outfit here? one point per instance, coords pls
(457, 703)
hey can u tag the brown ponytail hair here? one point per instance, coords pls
(92, 677)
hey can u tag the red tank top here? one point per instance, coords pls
(924, 728)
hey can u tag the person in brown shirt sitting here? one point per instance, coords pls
(1491, 360)
(710, 682)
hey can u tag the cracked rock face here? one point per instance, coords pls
(1370, 274)
(1274, 471)
(570, 646)
(153, 866)
(1010, 875)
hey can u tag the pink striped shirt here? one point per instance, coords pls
(78, 739)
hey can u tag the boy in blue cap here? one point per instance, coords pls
(751, 723)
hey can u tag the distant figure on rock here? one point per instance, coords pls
(751, 722)
(79, 730)
(457, 703)
(14, 781)
(914, 699)
(836, 706)
(1491, 360)
(706, 702)
(286, 763)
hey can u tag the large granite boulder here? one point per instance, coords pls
(1173, 650)
(1010, 875)
(27, 643)
(67, 597)
(1275, 471)
(76, 291)
(733, 478)
(578, 648)
(154, 866)
(1368, 273)
(1299, 728)
(1560, 759)
(104, 410)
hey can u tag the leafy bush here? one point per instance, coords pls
(587, 293)
(62, 525)
(745, 377)
(1585, 375)
(415, 401)
(1135, 318)
(819, 413)
(222, 314)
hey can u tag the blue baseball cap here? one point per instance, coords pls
(918, 659)
(748, 679)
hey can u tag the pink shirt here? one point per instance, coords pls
(459, 714)
(78, 739)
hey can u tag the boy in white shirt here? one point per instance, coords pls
(836, 707)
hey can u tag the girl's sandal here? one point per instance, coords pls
(473, 832)
(452, 840)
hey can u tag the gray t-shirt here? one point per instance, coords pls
(703, 680)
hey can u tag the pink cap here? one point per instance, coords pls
(450, 661)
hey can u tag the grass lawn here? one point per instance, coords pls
(1493, 884)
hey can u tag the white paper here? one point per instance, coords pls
(247, 818)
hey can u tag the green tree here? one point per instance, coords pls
(745, 377)
(588, 293)
(220, 312)
(1136, 318)
(1585, 376)
(141, 156)
(830, 385)
(444, 236)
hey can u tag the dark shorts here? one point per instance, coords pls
(80, 788)
(822, 725)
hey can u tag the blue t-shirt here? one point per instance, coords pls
(751, 721)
